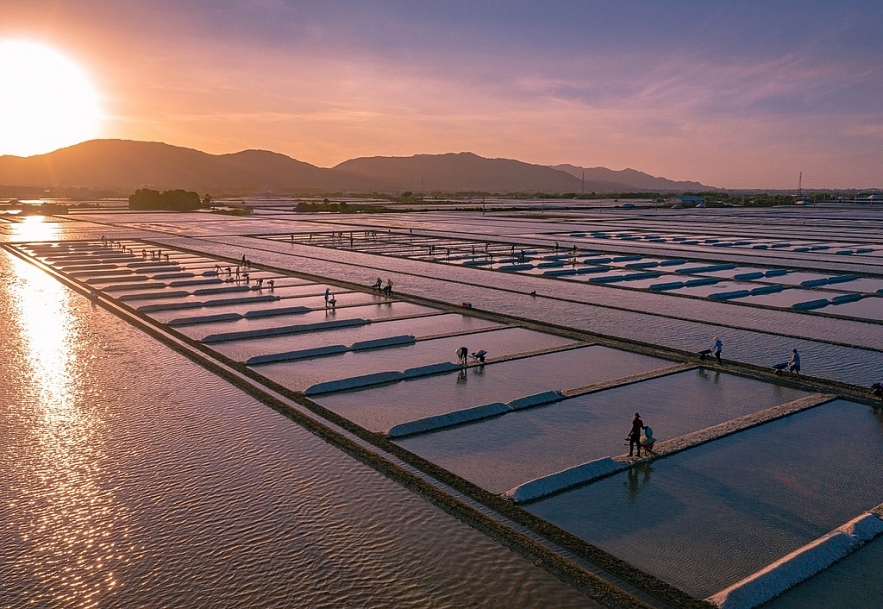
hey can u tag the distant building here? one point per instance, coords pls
(687, 200)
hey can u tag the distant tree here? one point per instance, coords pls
(171, 200)
(207, 200)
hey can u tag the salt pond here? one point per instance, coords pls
(501, 453)
(415, 326)
(382, 407)
(300, 375)
(708, 517)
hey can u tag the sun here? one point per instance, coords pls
(47, 101)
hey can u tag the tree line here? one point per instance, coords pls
(172, 200)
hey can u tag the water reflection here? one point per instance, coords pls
(74, 515)
(36, 228)
(877, 410)
(708, 374)
(637, 477)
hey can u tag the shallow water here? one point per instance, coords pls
(133, 477)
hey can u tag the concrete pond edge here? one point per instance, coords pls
(800, 565)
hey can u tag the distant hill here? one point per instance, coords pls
(629, 180)
(462, 171)
(124, 166)
(127, 165)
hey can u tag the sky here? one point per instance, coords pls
(735, 94)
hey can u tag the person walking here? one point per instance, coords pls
(717, 348)
(794, 362)
(327, 296)
(634, 436)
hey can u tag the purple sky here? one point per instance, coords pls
(733, 94)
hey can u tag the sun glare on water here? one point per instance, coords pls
(47, 101)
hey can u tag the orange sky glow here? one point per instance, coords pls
(671, 93)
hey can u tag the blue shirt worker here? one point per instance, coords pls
(717, 349)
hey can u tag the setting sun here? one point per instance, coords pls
(47, 102)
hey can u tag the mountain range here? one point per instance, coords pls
(124, 166)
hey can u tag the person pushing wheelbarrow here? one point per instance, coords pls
(634, 437)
